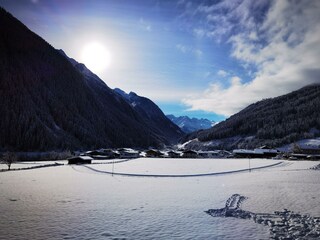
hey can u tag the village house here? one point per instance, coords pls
(189, 154)
(173, 154)
(153, 153)
(92, 153)
(209, 154)
(310, 152)
(262, 152)
(80, 160)
(128, 153)
(110, 154)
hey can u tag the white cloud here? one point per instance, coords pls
(186, 49)
(226, 17)
(145, 25)
(213, 95)
(284, 47)
(197, 52)
(222, 73)
(199, 32)
(235, 81)
(182, 48)
(180, 2)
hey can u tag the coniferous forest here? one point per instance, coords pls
(273, 122)
(47, 104)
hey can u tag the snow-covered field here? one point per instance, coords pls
(76, 202)
(31, 164)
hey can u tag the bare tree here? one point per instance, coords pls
(295, 148)
(8, 158)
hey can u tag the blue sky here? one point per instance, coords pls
(197, 58)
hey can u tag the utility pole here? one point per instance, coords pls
(112, 167)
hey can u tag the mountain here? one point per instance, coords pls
(273, 122)
(153, 116)
(49, 103)
(90, 76)
(189, 125)
(165, 131)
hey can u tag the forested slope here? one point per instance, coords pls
(275, 122)
(48, 104)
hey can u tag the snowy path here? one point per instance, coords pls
(181, 175)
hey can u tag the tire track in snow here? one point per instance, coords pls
(180, 175)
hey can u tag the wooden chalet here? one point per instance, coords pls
(153, 153)
(189, 154)
(128, 153)
(173, 154)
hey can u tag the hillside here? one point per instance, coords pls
(189, 125)
(153, 116)
(49, 104)
(274, 122)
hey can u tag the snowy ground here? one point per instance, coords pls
(158, 167)
(76, 202)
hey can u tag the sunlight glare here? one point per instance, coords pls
(96, 57)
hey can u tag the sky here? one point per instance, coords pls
(197, 58)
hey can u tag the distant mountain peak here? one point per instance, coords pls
(189, 125)
(120, 91)
(133, 94)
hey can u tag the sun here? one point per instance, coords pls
(96, 57)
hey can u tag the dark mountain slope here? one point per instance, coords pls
(158, 124)
(47, 104)
(153, 116)
(274, 122)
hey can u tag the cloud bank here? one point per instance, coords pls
(279, 39)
